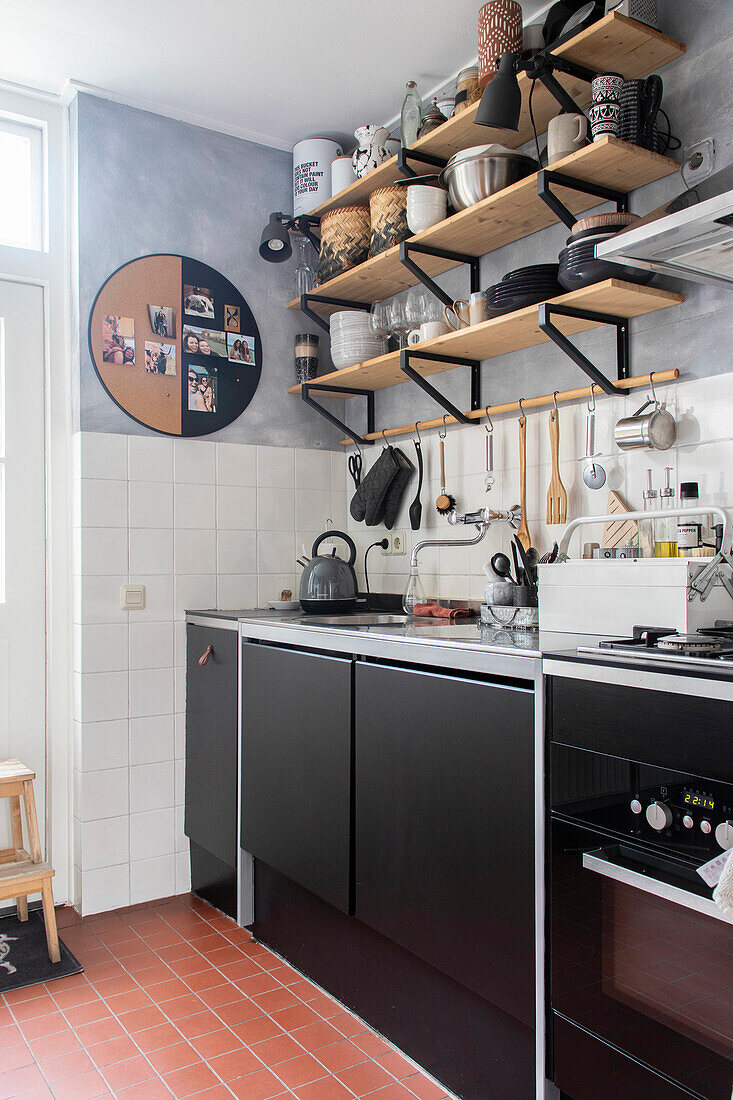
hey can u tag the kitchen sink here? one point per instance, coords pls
(367, 619)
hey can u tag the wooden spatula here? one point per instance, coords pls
(557, 498)
(523, 530)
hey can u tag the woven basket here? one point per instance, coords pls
(344, 240)
(388, 208)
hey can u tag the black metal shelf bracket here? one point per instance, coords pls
(305, 393)
(546, 178)
(305, 224)
(407, 355)
(407, 261)
(546, 310)
(306, 299)
(404, 155)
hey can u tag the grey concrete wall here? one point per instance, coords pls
(151, 184)
(696, 336)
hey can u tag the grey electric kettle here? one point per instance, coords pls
(328, 584)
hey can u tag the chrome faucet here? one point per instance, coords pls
(482, 520)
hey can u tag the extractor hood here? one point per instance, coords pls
(696, 243)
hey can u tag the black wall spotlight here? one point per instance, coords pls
(501, 102)
(275, 246)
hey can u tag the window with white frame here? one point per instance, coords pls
(22, 171)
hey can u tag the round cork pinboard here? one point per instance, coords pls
(175, 345)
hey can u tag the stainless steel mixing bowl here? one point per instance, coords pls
(473, 176)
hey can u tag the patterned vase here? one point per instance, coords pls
(371, 150)
(499, 31)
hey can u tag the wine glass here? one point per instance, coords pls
(416, 307)
(378, 319)
(304, 277)
(399, 326)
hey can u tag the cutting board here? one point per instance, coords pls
(617, 534)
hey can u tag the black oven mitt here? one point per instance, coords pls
(367, 504)
(397, 488)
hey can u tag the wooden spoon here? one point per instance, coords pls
(557, 498)
(523, 530)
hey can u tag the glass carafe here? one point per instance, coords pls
(414, 592)
(304, 279)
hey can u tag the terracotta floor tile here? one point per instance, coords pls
(99, 1031)
(348, 1025)
(114, 1050)
(179, 1007)
(145, 1090)
(239, 1012)
(300, 1071)
(99, 972)
(110, 987)
(421, 1086)
(153, 975)
(132, 1071)
(314, 1036)
(201, 1023)
(217, 1042)
(16, 1057)
(191, 1080)
(363, 1078)
(27, 993)
(254, 1031)
(86, 1014)
(218, 1092)
(257, 1086)
(235, 1064)
(203, 979)
(240, 967)
(329, 1088)
(303, 989)
(298, 1016)
(371, 1044)
(217, 995)
(5, 1016)
(155, 1038)
(168, 1059)
(73, 1064)
(229, 955)
(395, 1091)
(86, 1087)
(278, 1049)
(128, 1002)
(325, 1006)
(17, 1081)
(395, 1064)
(257, 983)
(52, 1046)
(43, 1025)
(39, 1006)
(340, 1056)
(189, 964)
(10, 1036)
(142, 1019)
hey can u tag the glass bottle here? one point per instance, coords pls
(304, 278)
(665, 528)
(411, 117)
(689, 528)
(414, 592)
(646, 526)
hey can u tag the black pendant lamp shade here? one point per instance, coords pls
(501, 102)
(275, 244)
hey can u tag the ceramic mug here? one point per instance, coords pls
(565, 135)
(605, 118)
(428, 330)
(607, 88)
(459, 314)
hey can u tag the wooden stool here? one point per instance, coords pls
(22, 873)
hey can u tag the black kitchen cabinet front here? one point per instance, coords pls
(211, 763)
(445, 826)
(296, 766)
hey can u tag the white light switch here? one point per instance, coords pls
(132, 597)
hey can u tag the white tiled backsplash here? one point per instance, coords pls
(205, 524)
(200, 524)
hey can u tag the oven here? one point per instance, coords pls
(640, 788)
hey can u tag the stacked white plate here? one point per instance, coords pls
(352, 340)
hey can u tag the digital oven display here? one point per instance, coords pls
(694, 798)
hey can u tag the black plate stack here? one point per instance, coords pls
(524, 287)
(579, 266)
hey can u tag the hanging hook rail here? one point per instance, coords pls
(624, 386)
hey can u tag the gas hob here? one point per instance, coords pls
(709, 646)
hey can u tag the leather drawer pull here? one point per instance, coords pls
(206, 654)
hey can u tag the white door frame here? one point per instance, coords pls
(51, 271)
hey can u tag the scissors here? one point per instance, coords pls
(355, 467)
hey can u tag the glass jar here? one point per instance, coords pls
(306, 356)
(411, 116)
(467, 89)
(414, 592)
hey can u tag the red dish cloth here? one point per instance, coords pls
(436, 611)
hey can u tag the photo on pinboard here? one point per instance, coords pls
(160, 358)
(198, 300)
(232, 318)
(202, 387)
(204, 341)
(118, 340)
(163, 321)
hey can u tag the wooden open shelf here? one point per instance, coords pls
(515, 212)
(501, 335)
(613, 44)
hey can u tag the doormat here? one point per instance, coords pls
(24, 956)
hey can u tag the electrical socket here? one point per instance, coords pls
(397, 542)
(698, 161)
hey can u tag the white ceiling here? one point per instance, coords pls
(273, 70)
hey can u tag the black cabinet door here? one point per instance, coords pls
(445, 826)
(296, 766)
(211, 741)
